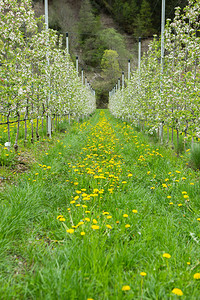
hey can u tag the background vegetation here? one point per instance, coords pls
(95, 26)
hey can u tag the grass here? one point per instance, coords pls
(96, 209)
(195, 156)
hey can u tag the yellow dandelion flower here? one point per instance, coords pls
(126, 288)
(108, 226)
(87, 219)
(80, 223)
(70, 230)
(143, 273)
(60, 216)
(188, 263)
(166, 255)
(125, 216)
(127, 226)
(196, 276)
(95, 227)
(180, 204)
(177, 292)
(62, 219)
(109, 217)
(94, 221)
(82, 233)
(169, 197)
(171, 203)
(134, 211)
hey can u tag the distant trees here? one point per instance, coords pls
(93, 39)
(125, 13)
(89, 28)
(138, 16)
(144, 20)
(134, 16)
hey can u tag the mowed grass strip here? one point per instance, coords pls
(104, 215)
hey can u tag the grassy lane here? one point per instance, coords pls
(104, 215)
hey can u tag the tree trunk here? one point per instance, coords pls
(25, 125)
(8, 126)
(37, 126)
(17, 134)
(32, 129)
(172, 141)
(167, 142)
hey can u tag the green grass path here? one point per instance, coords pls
(94, 216)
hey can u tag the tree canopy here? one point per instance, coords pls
(110, 65)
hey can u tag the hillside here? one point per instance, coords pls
(95, 26)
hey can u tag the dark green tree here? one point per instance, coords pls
(88, 25)
(144, 26)
(89, 28)
(125, 13)
(129, 13)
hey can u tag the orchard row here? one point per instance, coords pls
(37, 77)
(168, 97)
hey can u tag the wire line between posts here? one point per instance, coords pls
(23, 120)
(12, 122)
